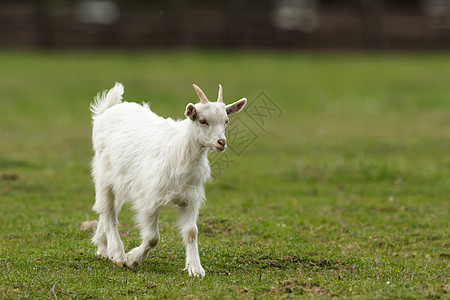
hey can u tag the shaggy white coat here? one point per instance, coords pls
(150, 161)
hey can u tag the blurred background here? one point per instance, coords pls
(338, 168)
(298, 24)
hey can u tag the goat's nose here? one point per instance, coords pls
(222, 142)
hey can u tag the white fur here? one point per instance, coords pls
(151, 161)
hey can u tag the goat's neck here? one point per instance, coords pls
(194, 152)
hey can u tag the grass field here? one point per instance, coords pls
(343, 192)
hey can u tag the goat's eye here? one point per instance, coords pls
(226, 123)
(203, 121)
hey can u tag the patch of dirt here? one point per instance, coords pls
(295, 286)
(8, 294)
(265, 261)
(10, 176)
(89, 225)
(218, 226)
(151, 285)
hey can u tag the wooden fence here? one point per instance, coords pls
(230, 24)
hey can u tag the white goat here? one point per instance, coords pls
(151, 161)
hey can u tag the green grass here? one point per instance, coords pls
(346, 194)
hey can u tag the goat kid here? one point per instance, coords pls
(150, 161)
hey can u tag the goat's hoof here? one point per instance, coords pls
(119, 261)
(131, 264)
(134, 258)
(102, 253)
(196, 271)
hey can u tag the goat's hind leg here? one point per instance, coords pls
(99, 238)
(107, 235)
(148, 223)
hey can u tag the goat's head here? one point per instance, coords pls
(211, 119)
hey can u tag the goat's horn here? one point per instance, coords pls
(220, 97)
(200, 94)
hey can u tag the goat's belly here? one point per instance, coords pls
(186, 197)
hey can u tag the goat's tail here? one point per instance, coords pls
(105, 100)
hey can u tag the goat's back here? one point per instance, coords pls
(129, 125)
(128, 141)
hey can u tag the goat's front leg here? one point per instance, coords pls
(189, 231)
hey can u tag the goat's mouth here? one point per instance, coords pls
(218, 148)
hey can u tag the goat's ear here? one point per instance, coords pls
(236, 106)
(191, 112)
